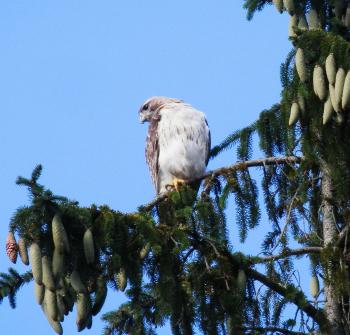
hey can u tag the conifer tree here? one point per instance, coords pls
(172, 257)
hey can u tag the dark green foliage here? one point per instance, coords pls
(254, 5)
(190, 281)
(10, 283)
(190, 276)
(233, 139)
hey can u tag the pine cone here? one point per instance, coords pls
(327, 111)
(11, 247)
(23, 252)
(89, 249)
(121, 280)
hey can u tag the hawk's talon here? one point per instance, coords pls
(169, 187)
(178, 183)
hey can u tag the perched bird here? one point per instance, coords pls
(178, 142)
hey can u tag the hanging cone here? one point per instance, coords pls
(331, 68)
(319, 83)
(294, 114)
(66, 306)
(39, 291)
(121, 279)
(145, 250)
(347, 17)
(289, 6)
(56, 326)
(83, 310)
(47, 274)
(100, 296)
(345, 102)
(302, 106)
(61, 308)
(11, 247)
(314, 286)
(279, 5)
(293, 24)
(23, 252)
(50, 305)
(339, 85)
(241, 281)
(327, 111)
(89, 249)
(339, 7)
(61, 285)
(59, 235)
(339, 118)
(35, 261)
(301, 65)
(69, 301)
(314, 22)
(89, 322)
(333, 100)
(57, 264)
(303, 25)
(69, 296)
(76, 282)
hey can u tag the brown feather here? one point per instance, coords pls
(152, 149)
(208, 146)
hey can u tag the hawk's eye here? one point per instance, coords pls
(145, 107)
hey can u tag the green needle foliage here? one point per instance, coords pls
(173, 256)
(10, 283)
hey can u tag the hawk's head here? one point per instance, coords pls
(151, 106)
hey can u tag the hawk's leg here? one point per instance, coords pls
(177, 182)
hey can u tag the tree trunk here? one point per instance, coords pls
(330, 233)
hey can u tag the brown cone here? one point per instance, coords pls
(11, 247)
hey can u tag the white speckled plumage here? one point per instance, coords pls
(178, 141)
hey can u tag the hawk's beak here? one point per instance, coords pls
(142, 118)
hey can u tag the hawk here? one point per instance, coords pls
(178, 142)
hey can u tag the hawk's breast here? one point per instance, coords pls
(183, 139)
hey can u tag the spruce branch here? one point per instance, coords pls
(11, 282)
(232, 140)
(289, 292)
(342, 235)
(286, 253)
(293, 295)
(265, 330)
(225, 170)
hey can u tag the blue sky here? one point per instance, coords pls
(73, 75)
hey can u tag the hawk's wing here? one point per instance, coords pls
(152, 151)
(208, 144)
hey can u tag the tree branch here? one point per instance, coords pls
(264, 330)
(286, 253)
(224, 170)
(342, 235)
(289, 292)
(293, 295)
